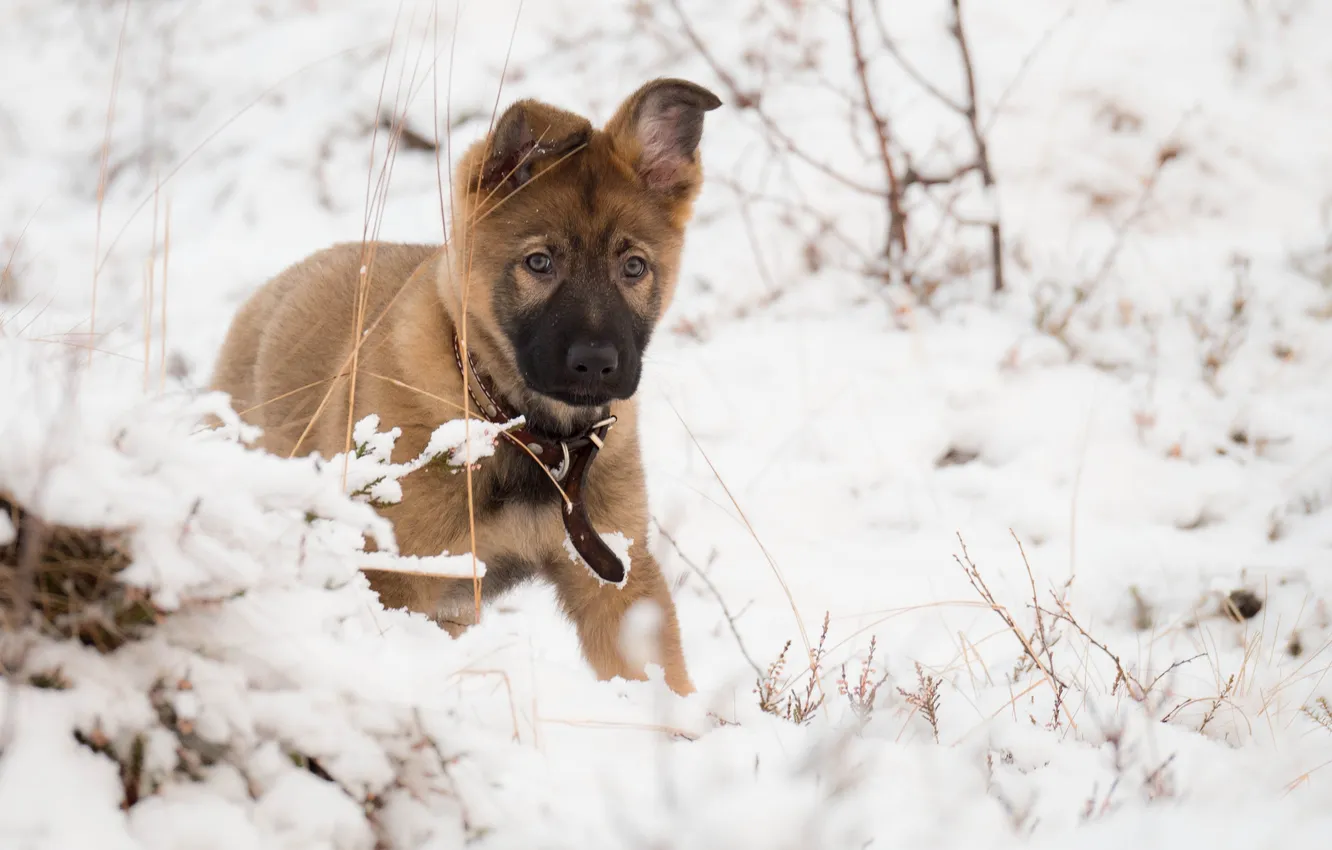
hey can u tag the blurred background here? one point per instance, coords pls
(1054, 274)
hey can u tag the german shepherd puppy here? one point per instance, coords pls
(563, 255)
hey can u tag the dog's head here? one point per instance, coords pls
(566, 244)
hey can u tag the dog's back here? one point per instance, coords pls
(289, 347)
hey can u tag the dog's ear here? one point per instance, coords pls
(528, 135)
(658, 128)
(511, 138)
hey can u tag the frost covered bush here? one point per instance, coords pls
(368, 474)
(263, 698)
(188, 639)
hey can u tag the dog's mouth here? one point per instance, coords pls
(562, 415)
(578, 397)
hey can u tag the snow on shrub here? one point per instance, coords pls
(188, 639)
(192, 659)
(368, 474)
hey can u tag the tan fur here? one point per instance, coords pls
(289, 350)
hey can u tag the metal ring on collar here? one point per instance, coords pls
(563, 469)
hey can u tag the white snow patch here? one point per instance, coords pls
(441, 566)
(618, 543)
(467, 441)
(371, 474)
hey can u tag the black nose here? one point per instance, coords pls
(592, 362)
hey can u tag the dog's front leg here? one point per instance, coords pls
(598, 612)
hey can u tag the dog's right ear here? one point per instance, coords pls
(528, 136)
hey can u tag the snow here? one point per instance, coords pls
(455, 566)
(369, 471)
(619, 545)
(1156, 451)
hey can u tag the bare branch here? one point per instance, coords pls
(1134, 687)
(911, 70)
(716, 594)
(982, 149)
(969, 568)
(743, 99)
(912, 177)
(1167, 153)
(896, 217)
(888, 261)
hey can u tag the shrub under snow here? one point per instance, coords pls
(259, 696)
(264, 698)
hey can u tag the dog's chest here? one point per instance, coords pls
(513, 479)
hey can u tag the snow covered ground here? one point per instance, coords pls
(816, 441)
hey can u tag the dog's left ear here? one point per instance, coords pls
(658, 128)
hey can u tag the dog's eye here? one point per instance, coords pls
(539, 263)
(635, 267)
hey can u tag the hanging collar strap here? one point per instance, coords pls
(566, 460)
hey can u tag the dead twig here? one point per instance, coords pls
(752, 101)
(969, 568)
(797, 708)
(865, 691)
(1058, 327)
(925, 698)
(408, 138)
(1216, 703)
(910, 69)
(716, 594)
(897, 237)
(970, 112)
